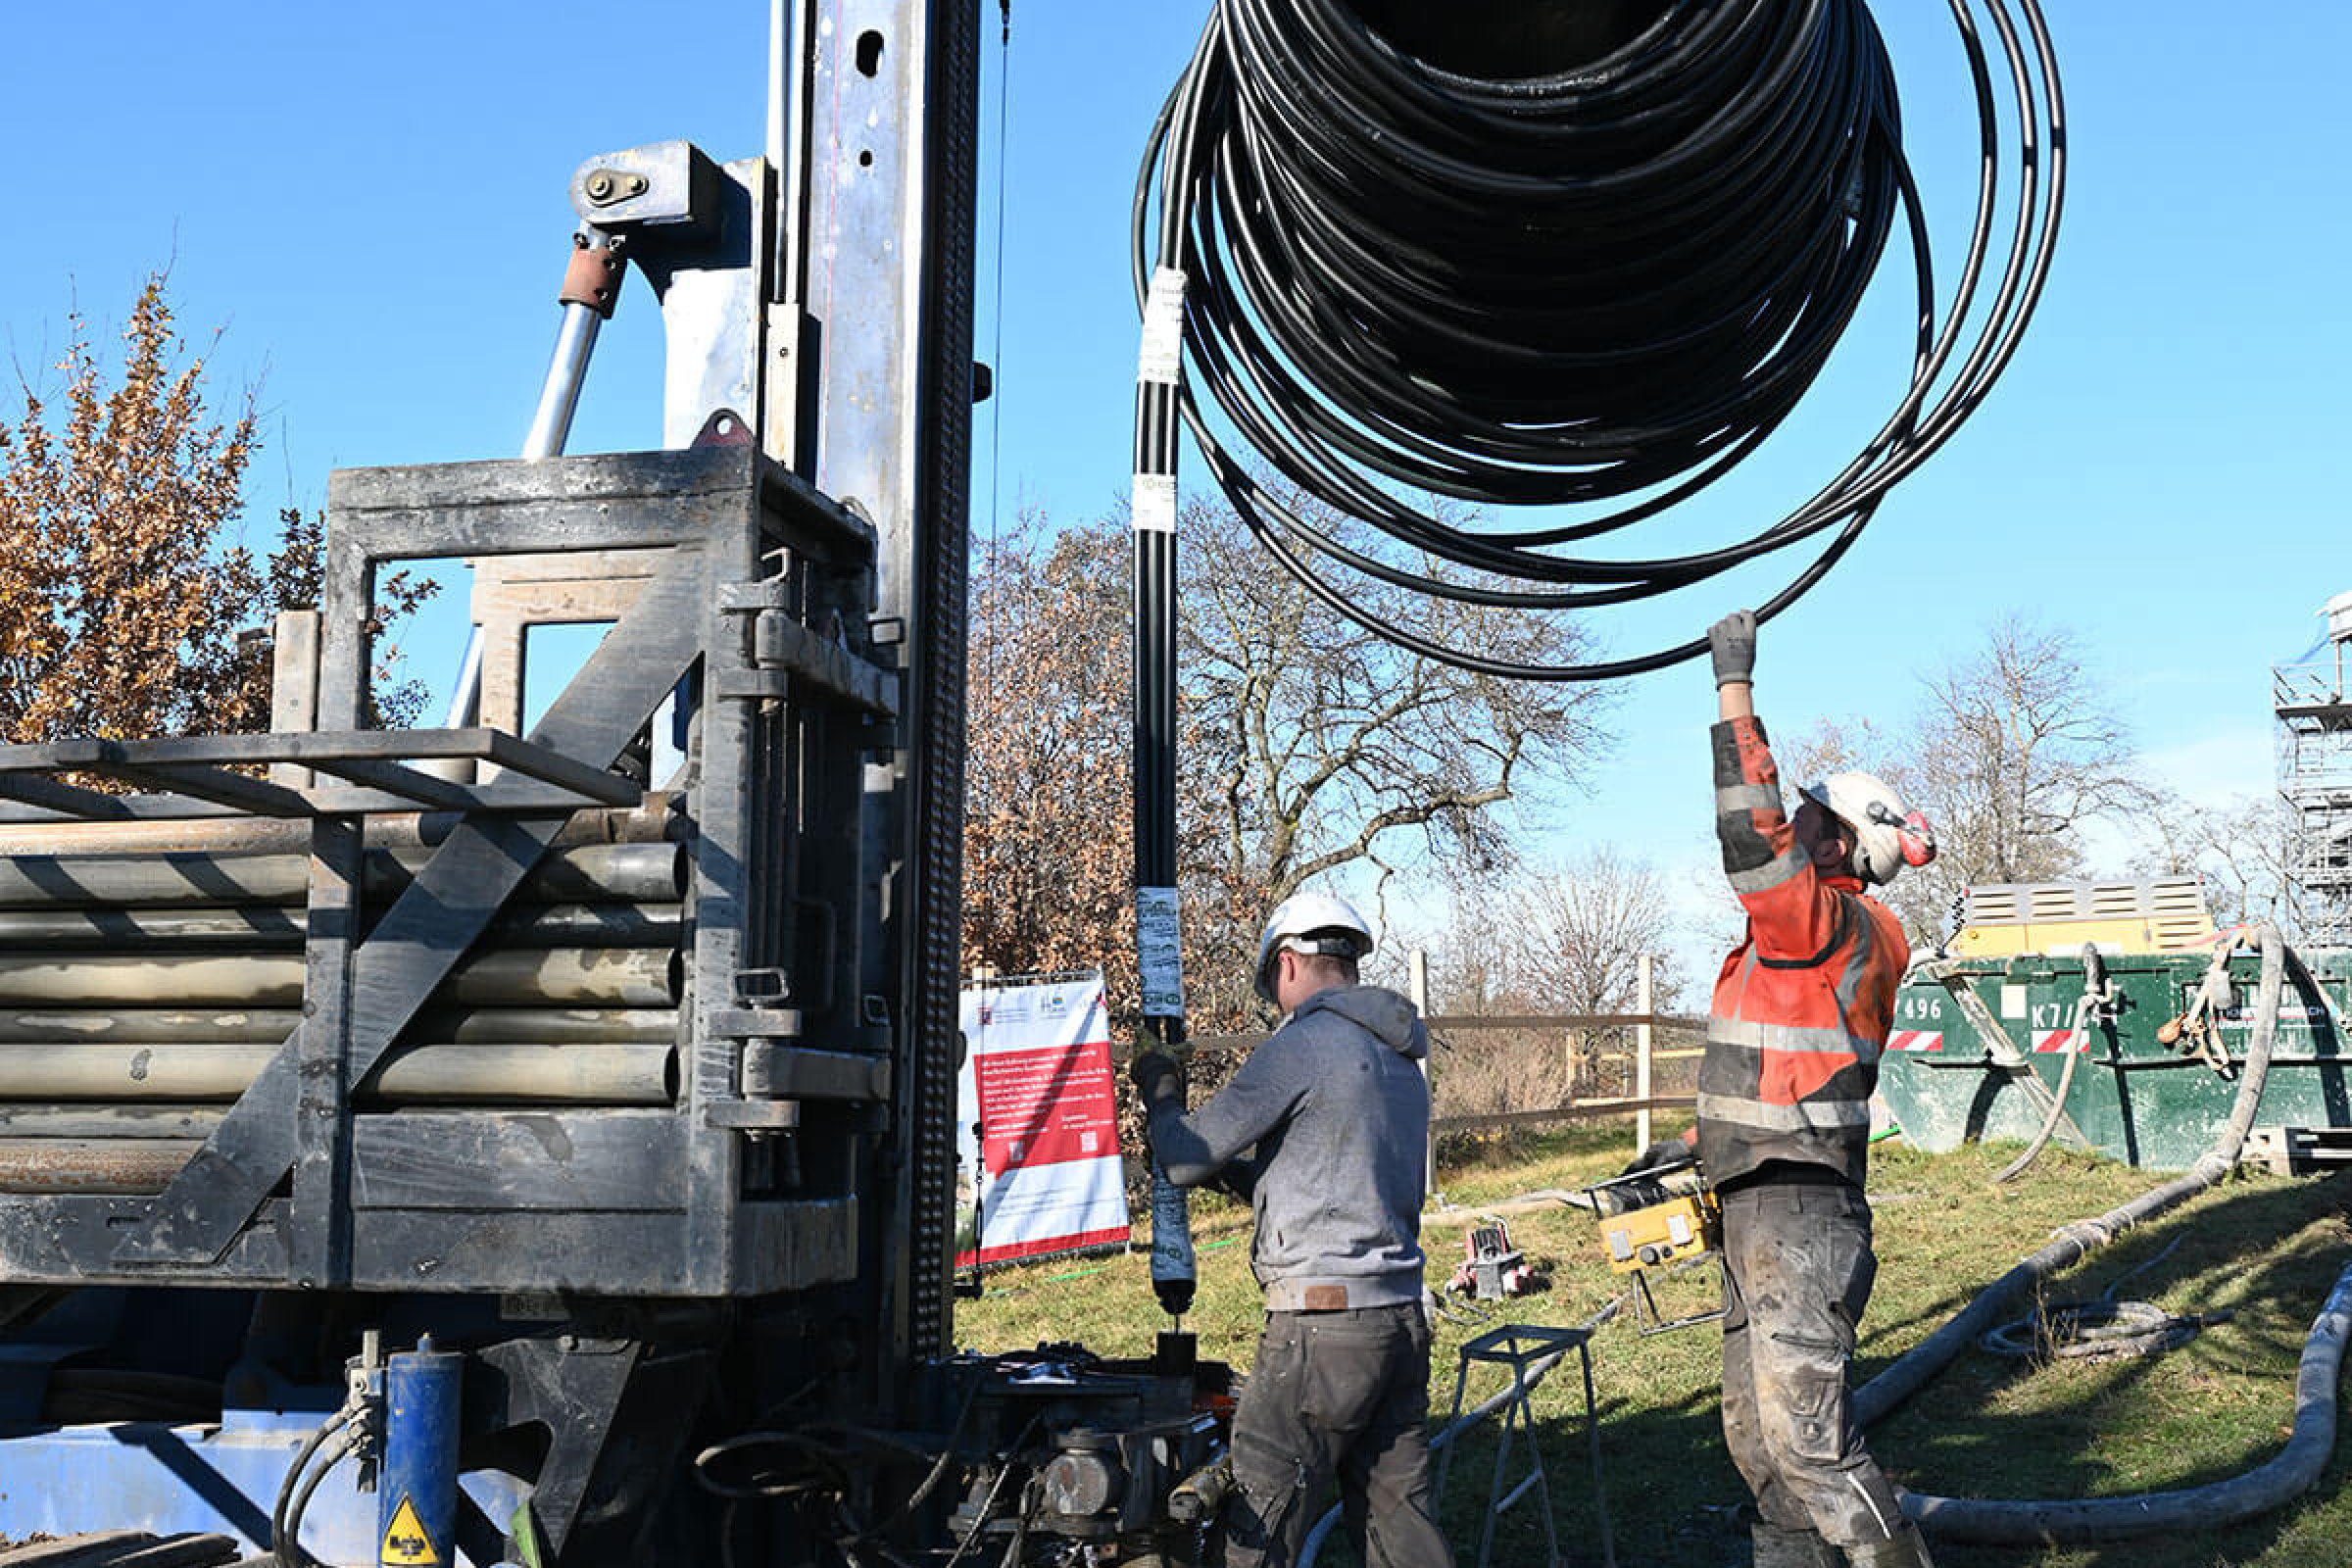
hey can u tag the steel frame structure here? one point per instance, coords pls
(614, 1202)
(800, 543)
(2314, 712)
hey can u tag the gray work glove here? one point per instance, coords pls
(1664, 1154)
(1157, 1078)
(1732, 644)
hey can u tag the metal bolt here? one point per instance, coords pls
(599, 185)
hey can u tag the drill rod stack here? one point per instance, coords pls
(142, 990)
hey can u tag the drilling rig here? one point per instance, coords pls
(462, 1144)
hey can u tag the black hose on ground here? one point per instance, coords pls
(2056, 1521)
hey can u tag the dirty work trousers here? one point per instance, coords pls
(1339, 1395)
(1798, 1270)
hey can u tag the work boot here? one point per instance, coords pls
(1776, 1547)
(1908, 1549)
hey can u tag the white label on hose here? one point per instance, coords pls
(1171, 1230)
(1161, 357)
(1159, 952)
(1153, 507)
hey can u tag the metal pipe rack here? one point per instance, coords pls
(501, 1050)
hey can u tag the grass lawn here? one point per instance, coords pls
(2264, 1249)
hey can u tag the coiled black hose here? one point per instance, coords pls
(1599, 288)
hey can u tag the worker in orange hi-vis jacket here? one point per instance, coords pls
(1801, 1014)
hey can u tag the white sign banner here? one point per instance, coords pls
(1037, 1124)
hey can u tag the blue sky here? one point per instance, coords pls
(369, 204)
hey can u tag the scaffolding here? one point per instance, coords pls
(2315, 779)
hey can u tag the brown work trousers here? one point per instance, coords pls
(1339, 1395)
(1797, 1272)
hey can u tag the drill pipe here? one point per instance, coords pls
(110, 1121)
(181, 1073)
(547, 1026)
(265, 926)
(651, 823)
(591, 873)
(119, 1167)
(609, 977)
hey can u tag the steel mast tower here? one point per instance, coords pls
(2315, 779)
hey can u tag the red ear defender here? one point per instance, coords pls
(1918, 840)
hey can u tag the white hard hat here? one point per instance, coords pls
(1888, 834)
(1310, 922)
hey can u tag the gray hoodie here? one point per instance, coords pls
(1338, 1112)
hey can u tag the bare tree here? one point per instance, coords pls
(1327, 745)
(2010, 752)
(2238, 849)
(2018, 750)
(1049, 825)
(1583, 930)
(1308, 745)
(1583, 927)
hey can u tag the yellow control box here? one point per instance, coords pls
(1685, 1225)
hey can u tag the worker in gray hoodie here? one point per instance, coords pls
(1324, 1130)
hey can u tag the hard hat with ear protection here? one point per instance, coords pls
(1310, 922)
(1888, 834)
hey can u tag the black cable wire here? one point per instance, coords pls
(293, 1496)
(1598, 289)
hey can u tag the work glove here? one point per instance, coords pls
(1157, 1078)
(1664, 1154)
(1732, 644)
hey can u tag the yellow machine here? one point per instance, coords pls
(2164, 915)
(1654, 1219)
(1684, 1225)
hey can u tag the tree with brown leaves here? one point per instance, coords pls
(123, 590)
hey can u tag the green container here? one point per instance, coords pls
(2134, 1098)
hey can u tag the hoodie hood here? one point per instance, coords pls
(1383, 1014)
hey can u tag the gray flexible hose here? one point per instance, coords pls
(2049, 1521)
(2284, 1477)
(2094, 991)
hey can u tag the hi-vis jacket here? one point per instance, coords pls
(1804, 1001)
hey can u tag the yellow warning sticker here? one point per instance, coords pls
(406, 1544)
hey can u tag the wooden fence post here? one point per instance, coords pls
(1643, 1006)
(1420, 987)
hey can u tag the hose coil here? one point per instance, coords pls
(1599, 288)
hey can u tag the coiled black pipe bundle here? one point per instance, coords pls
(1597, 288)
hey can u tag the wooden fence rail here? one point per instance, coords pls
(1644, 1024)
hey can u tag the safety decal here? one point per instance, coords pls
(406, 1544)
(2051, 1040)
(1915, 1040)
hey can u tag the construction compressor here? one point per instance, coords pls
(504, 1143)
